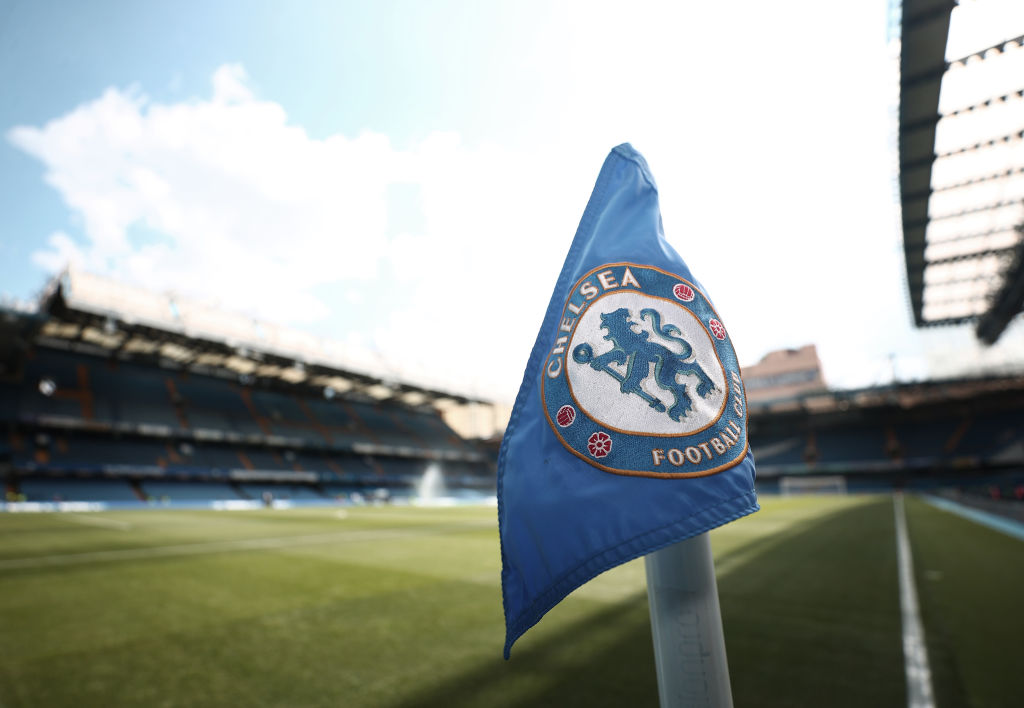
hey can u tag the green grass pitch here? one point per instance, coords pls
(397, 606)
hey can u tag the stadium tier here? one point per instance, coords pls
(164, 491)
(964, 436)
(73, 489)
(963, 440)
(84, 424)
(178, 419)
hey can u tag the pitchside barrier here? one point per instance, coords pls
(832, 484)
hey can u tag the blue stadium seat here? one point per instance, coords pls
(383, 427)
(851, 445)
(292, 492)
(987, 435)
(188, 491)
(138, 420)
(97, 450)
(924, 441)
(46, 489)
(779, 449)
(430, 428)
(211, 455)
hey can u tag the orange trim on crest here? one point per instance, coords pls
(728, 385)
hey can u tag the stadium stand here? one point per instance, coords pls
(163, 491)
(97, 406)
(105, 406)
(962, 437)
(74, 489)
(283, 491)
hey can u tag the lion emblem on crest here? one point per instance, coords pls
(635, 350)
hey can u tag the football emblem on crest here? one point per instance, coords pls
(684, 292)
(717, 328)
(641, 378)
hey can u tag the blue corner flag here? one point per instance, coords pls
(629, 432)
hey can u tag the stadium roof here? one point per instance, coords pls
(905, 395)
(108, 317)
(961, 151)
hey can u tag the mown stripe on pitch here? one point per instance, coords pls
(248, 544)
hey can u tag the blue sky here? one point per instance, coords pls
(336, 67)
(407, 176)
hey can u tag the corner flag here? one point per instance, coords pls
(629, 431)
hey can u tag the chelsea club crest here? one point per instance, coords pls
(642, 379)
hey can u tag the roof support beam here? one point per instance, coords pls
(972, 256)
(984, 104)
(1012, 137)
(983, 53)
(1008, 301)
(979, 180)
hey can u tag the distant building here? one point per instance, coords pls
(784, 373)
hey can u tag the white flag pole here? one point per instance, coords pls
(686, 621)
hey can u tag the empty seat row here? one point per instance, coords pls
(69, 385)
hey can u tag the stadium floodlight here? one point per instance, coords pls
(210, 359)
(329, 393)
(414, 398)
(175, 352)
(62, 330)
(268, 370)
(240, 364)
(380, 391)
(47, 386)
(140, 345)
(293, 375)
(337, 384)
(100, 337)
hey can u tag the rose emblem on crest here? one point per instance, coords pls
(599, 444)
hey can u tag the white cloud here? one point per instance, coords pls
(224, 199)
(62, 251)
(775, 173)
(247, 206)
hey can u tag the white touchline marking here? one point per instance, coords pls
(97, 521)
(245, 544)
(915, 653)
(414, 514)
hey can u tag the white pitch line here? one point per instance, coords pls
(915, 652)
(245, 544)
(419, 514)
(97, 521)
